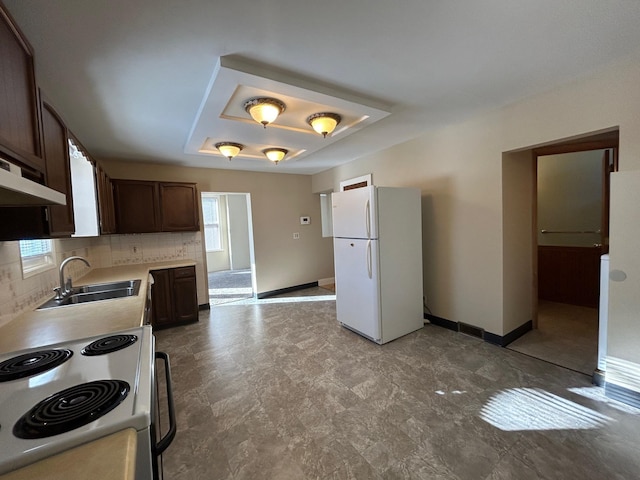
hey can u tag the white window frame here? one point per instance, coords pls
(205, 225)
(36, 264)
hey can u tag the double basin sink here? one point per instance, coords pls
(95, 292)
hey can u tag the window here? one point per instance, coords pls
(211, 217)
(37, 256)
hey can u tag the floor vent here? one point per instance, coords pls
(470, 330)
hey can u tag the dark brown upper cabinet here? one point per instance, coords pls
(147, 207)
(20, 223)
(106, 208)
(178, 207)
(20, 135)
(136, 205)
(56, 150)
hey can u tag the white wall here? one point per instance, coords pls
(570, 198)
(519, 280)
(623, 341)
(239, 231)
(461, 214)
(474, 247)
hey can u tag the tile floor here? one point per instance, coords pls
(276, 389)
(567, 335)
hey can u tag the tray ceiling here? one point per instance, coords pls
(222, 118)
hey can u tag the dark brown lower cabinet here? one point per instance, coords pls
(174, 297)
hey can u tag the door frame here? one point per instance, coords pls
(607, 141)
(250, 238)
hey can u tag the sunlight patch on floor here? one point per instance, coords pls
(519, 409)
(301, 299)
(230, 291)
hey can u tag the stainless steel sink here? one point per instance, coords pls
(96, 292)
(106, 287)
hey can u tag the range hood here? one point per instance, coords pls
(16, 191)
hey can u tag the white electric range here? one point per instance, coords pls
(59, 396)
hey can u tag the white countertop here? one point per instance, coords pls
(109, 458)
(43, 327)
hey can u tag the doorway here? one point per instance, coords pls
(571, 220)
(229, 246)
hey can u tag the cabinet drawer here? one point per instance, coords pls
(183, 272)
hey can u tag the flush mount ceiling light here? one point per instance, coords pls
(229, 149)
(324, 123)
(264, 110)
(275, 154)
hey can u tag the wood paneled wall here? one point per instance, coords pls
(569, 275)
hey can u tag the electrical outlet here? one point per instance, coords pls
(296, 236)
(305, 220)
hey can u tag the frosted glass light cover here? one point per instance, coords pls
(264, 110)
(324, 123)
(229, 149)
(275, 154)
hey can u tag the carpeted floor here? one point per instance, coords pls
(229, 286)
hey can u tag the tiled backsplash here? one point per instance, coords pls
(154, 247)
(18, 295)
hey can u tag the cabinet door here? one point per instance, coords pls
(19, 123)
(136, 205)
(179, 207)
(106, 209)
(21, 223)
(185, 295)
(162, 306)
(56, 150)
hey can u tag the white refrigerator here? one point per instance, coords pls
(377, 239)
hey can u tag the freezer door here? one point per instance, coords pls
(357, 286)
(354, 213)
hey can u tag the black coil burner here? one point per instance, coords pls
(71, 408)
(32, 363)
(109, 344)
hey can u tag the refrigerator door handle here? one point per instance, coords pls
(367, 213)
(369, 262)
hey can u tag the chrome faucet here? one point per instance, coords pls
(65, 287)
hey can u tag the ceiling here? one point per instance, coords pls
(133, 78)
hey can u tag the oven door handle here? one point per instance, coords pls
(165, 441)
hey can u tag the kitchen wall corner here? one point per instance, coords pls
(18, 295)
